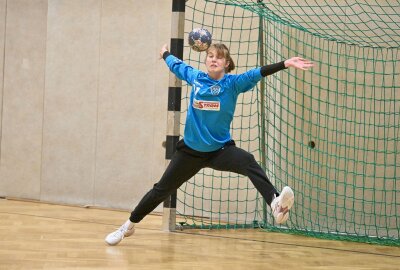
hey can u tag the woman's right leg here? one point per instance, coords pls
(184, 165)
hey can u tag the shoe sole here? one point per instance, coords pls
(129, 232)
(282, 218)
(287, 199)
(287, 202)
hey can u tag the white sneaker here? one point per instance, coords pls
(127, 229)
(281, 205)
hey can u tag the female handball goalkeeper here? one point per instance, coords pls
(207, 141)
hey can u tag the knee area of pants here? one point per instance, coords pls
(250, 159)
(162, 191)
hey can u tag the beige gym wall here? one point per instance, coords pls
(84, 99)
(23, 90)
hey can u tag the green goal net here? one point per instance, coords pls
(332, 133)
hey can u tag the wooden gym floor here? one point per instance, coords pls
(45, 236)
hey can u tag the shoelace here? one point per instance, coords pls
(119, 233)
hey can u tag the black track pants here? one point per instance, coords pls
(186, 162)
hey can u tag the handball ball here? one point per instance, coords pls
(199, 39)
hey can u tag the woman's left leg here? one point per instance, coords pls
(233, 159)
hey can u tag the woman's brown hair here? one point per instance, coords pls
(223, 51)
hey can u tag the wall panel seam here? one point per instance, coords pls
(97, 105)
(2, 87)
(43, 104)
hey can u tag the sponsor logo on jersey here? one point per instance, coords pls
(206, 105)
(215, 89)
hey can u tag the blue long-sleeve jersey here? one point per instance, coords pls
(212, 103)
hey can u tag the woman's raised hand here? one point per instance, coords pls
(298, 62)
(164, 48)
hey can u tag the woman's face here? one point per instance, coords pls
(215, 65)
